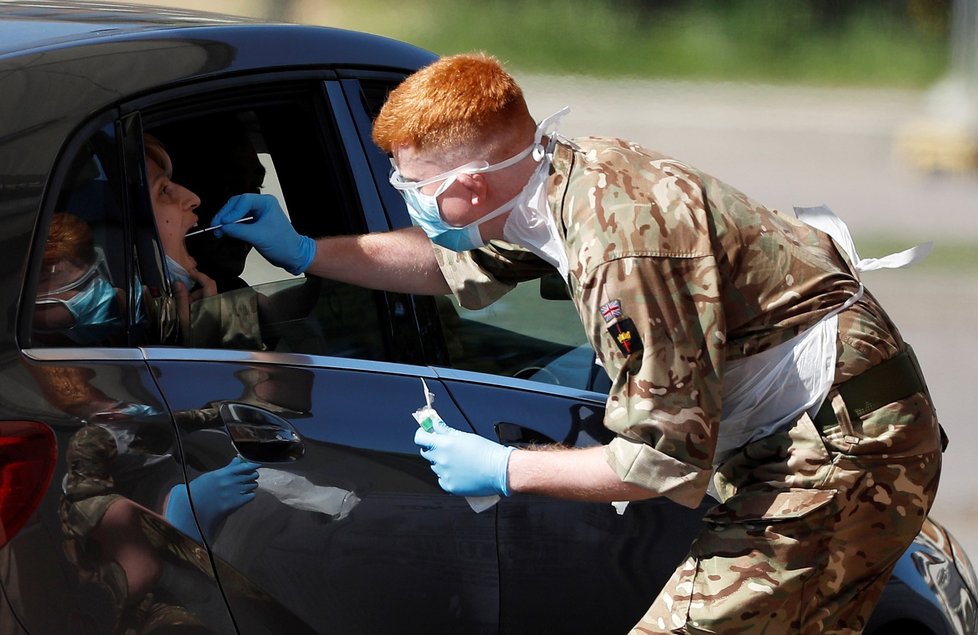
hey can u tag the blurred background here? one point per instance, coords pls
(868, 106)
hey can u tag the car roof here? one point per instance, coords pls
(32, 26)
(66, 65)
(27, 25)
(64, 61)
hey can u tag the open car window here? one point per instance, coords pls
(136, 187)
(275, 143)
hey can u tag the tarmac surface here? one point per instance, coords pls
(799, 146)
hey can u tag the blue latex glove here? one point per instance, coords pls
(215, 495)
(466, 464)
(270, 232)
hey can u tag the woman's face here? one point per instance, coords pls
(173, 204)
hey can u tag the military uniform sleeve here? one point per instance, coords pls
(480, 277)
(227, 320)
(163, 323)
(658, 327)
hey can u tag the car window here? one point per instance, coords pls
(81, 290)
(532, 333)
(276, 144)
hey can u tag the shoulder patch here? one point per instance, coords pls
(611, 311)
(626, 336)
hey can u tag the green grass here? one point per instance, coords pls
(760, 40)
(948, 255)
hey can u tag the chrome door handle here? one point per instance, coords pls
(260, 435)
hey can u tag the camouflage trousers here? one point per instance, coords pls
(812, 522)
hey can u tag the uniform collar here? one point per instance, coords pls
(560, 168)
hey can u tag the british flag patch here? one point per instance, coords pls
(611, 311)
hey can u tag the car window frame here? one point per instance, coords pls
(54, 187)
(398, 319)
(423, 312)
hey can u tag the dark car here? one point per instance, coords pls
(120, 400)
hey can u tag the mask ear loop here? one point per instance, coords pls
(548, 128)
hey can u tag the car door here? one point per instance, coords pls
(315, 382)
(99, 554)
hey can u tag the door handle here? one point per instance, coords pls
(515, 434)
(260, 435)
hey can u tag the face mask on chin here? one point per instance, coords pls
(424, 208)
(178, 273)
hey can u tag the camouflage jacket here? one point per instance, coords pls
(673, 273)
(227, 320)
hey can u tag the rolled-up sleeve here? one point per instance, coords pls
(480, 277)
(658, 327)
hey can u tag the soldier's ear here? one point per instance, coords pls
(476, 185)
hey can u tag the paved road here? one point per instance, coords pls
(783, 147)
(789, 147)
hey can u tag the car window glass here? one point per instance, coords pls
(522, 335)
(275, 146)
(81, 291)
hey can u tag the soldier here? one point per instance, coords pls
(744, 353)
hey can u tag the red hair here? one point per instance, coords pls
(69, 238)
(455, 101)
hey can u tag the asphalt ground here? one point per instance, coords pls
(842, 148)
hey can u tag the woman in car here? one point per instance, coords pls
(206, 317)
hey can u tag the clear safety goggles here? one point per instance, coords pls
(98, 268)
(447, 178)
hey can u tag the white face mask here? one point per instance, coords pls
(530, 224)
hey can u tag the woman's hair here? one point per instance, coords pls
(69, 238)
(156, 153)
(456, 101)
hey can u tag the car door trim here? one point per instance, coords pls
(525, 385)
(154, 354)
(226, 356)
(83, 354)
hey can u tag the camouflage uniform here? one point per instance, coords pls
(227, 320)
(674, 274)
(91, 486)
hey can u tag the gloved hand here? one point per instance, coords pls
(270, 232)
(466, 464)
(215, 495)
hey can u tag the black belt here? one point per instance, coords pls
(895, 379)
